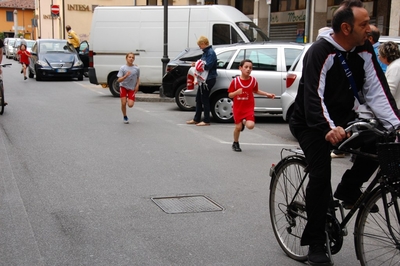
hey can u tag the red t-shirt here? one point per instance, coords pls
(23, 56)
(243, 104)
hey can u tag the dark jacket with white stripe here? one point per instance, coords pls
(325, 99)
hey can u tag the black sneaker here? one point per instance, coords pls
(236, 147)
(317, 255)
(350, 197)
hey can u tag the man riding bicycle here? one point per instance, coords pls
(340, 71)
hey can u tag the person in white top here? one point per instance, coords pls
(389, 54)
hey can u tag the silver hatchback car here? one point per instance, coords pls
(10, 47)
(271, 61)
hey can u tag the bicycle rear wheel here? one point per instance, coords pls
(287, 206)
(374, 242)
(2, 103)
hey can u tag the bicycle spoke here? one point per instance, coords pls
(375, 241)
(287, 208)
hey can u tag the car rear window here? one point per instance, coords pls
(263, 58)
(290, 56)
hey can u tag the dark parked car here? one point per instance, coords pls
(174, 80)
(54, 58)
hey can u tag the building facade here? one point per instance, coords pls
(287, 20)
(16, 18)
(78, 14)
(299, 20)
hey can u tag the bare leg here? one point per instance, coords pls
(123, 106)
(24, 70)
(249, 124)
(130, 103)
(236, 132)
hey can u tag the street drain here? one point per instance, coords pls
(186, 204)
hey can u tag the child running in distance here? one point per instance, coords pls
(241, 91)
(128, 78)
(24, 59)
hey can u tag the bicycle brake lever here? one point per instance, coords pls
(353, 136)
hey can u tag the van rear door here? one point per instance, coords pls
(150, 48)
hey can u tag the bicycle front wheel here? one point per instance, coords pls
(287, 206)
(376, 233)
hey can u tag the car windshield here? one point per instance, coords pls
(29, 44)
(252, 32)
(60, 46)
(11, 42)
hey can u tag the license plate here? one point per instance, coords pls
(61, 70)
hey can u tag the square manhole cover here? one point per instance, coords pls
(186, 204)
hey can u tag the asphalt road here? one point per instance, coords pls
(79, 187)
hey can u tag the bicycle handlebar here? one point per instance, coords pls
(357, 127)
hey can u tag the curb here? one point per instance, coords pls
(152, 97)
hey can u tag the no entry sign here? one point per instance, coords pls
(55, 10)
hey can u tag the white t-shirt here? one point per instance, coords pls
(130, 82)
(393, 78)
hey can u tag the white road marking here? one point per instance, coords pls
(94, 88)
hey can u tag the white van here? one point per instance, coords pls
(116, 31)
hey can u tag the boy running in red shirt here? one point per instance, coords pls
(241, 90)
(24, 58)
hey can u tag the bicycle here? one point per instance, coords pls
(376, 232)
(2, 102)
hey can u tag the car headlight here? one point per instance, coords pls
(42, 63)
(78, 63)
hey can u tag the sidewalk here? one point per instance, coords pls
(152, 97)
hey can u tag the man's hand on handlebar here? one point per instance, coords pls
(337, 135)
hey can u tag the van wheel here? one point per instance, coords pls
(114, 85)
(221, 108)
(180, 100)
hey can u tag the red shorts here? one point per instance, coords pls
(130, 94)
(248, 117)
